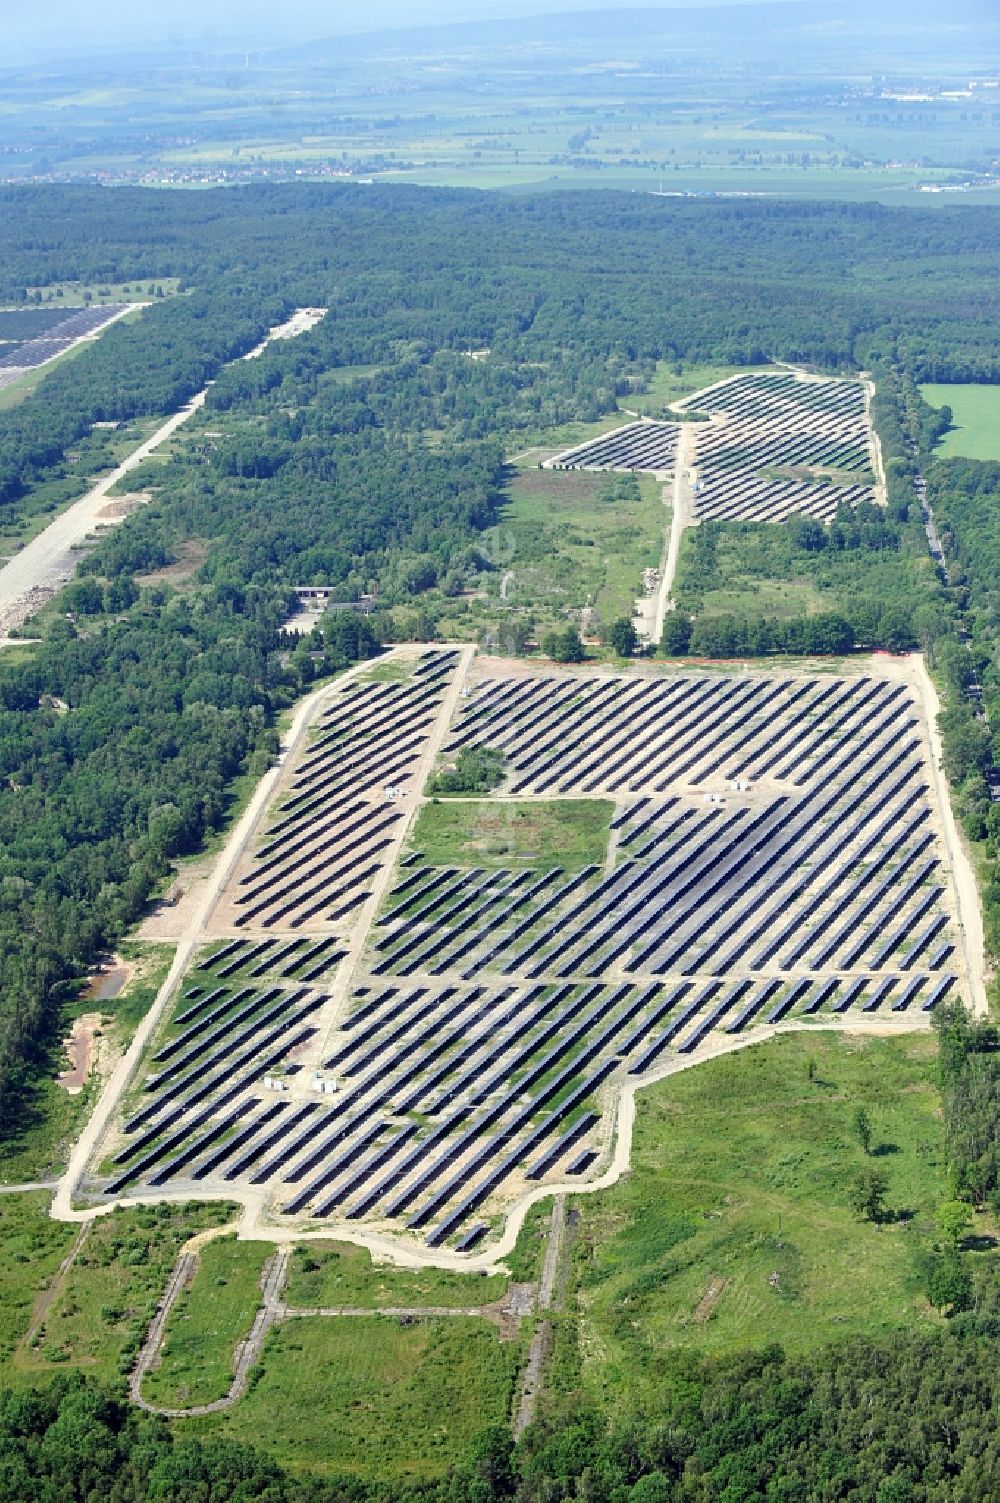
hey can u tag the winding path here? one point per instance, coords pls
(272, 1282)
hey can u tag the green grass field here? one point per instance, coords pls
(325, 1274)
(32, 1246)
(96, 1314)
(536, 833)
(674, 380)
(207, 1321)
(580, 539)
(975, 430)
(754, 570)
(371, 1395)
(734, 1228)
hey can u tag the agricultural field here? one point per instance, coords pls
(410, 1015)
(975, 427)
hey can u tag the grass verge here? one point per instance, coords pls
(338, 1273)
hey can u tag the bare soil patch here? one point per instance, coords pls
(709, 1299)
(79, 1045)
(190, 556)
(173, 915)
(123, 506)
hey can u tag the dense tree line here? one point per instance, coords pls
(903, 1419)
(970, 1090)
(964, 496)
(872, 569)
(151, 367)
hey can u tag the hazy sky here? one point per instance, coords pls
(51, 27)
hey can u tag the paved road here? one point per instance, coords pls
(50, 558)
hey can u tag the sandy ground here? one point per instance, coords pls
(170, 921)
(966, 894)
(80, 1050)
(875, 443)
(681, 517)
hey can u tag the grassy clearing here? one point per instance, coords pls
(32, 1246)
(372, 1396)
(96, 1314)
(734, 1228)
(70, 295)
(36, 1144)
(581, 539)
(392, 671)
(538, 833)
(325, 1274)
(533, 444)
(205, 1325)
(755, 569)
(975, 430)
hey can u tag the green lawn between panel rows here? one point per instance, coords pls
(534, 833)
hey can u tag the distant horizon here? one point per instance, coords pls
(55, 28)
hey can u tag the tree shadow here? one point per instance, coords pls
(882, 1150)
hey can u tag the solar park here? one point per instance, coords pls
(58, 338)
(373, 1041)
(775, 445)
